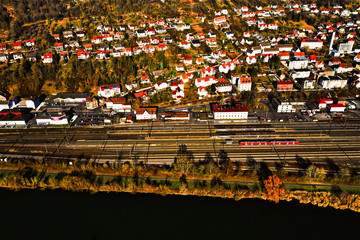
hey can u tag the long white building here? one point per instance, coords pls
(236, 111)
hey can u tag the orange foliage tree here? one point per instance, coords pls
(274, 188)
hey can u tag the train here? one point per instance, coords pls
(269, 142)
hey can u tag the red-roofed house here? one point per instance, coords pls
(47, 58)
(83, 55)
(320, 64)
(284, 85)
(205, 81)
(323, 102)
(56, 36)
(251, 59)
(30, 43)
(97, 39)
(336, 107)
(299, 54)
(3, 47)
(109, 90)
(141, 94)
(202, 92)
(17, 45)
(284, 55)
(162, 47)
(219, 20)
(58, 47)
(311, 43)
(357, 58)
(188, 60)
(149, 113)
(184, 78)
(313, 58)
(118, 104)
(184, 45)
(145, 80)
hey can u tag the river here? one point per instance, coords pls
(35, 214)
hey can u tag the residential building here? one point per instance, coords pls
(311, 43)
(146, 113)
(298, 63)
(219, 20)
(223, 86)
(300, 73)
(109, 90)
(205, 81)
(118, 104)
(161, 86)
(322, 103)
(331, 82)
(243, 83)
(145, 80)
(47, 58)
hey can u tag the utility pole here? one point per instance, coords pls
(217, 157)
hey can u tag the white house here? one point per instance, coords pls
(273, 26)
(140, 33)
(300, 73)
(109, 90)
(184, 45)
(161, 86)
(223, 86)
(219, 20)
(202, 92)
(148, 113)
(118, 104)
(311, 43)
(243, 83)
(298, 63)
(145, 80)
(47, 58)
(205, 81)
(251, 59)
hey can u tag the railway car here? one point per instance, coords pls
(269, 142)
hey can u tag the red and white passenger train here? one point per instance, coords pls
(269, 142)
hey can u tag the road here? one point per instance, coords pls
(157, 143)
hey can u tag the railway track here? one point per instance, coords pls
(158, 143)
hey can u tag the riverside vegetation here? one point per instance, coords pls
(211, 178)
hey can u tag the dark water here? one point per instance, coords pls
(31, 214)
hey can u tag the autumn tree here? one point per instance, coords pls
(316, 173)
(184, 160)
(274, 188)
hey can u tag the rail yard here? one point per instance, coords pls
(158, 143)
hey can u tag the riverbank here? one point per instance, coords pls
(88, 182)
